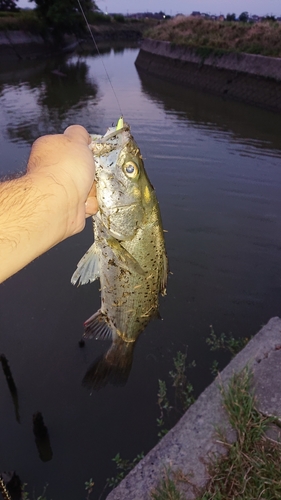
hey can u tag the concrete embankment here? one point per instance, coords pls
(250, 78)
(17, 45)
(189, 445)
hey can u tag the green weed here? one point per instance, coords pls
(25, 495)
(183, 397)
(89, 485)
(167, 489)
(226, 342)
(123, 466)
(252, 467)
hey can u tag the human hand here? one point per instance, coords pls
(50, 202)
(62, 165)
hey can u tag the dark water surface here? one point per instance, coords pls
(216, 166)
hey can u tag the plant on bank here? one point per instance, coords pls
(183, 395)
(123, 466)
(183, 398)
(252, 467)
(25, 495)
(167, 488)
(224, 342)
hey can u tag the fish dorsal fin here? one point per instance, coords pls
(97, 326)
(88, 268)
(127, 260)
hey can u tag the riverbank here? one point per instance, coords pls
(263, 38)
(189, 446)
(20, 44)
(254, 79)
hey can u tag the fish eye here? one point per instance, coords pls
(131, 170)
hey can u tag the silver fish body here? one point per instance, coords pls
(128, 254)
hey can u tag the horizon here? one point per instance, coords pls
(214, 7)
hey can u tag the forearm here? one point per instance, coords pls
(50, 202)
(32, 220)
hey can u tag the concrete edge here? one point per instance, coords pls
(19, 37)
(267, 67)
(189, 444)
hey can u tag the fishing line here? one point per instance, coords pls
(97, 49)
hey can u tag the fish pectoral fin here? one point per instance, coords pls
(97, 326)
(87, 268)
(127, 260)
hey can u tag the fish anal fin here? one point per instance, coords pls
(97, 327)
(87, 268)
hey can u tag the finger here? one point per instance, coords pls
(78, 134)
(91, 206)
(93, 191)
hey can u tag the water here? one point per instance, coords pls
(216, 167)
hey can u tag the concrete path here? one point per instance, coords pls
(188, 445)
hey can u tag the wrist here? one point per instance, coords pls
(56, 205)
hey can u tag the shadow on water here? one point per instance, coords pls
(42, 439)
(242, 121)
(11, 384)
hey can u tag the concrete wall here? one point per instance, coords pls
(17, 45)
(250, 78)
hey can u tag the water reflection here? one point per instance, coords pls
(215, 113)
(51, 92)
(87, 47)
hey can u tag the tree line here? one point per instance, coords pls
(58, 16)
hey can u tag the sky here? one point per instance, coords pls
(173, 7)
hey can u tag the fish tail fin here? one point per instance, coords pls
(112, 367)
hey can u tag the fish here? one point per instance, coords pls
(128, 255)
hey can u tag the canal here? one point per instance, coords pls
(216, 168)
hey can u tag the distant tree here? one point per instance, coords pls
(64, 16)
(230, 17)
(244, 17)
(269, 18)
(8, 5)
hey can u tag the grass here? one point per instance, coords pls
(167, 488)
(23, 20)
(252, 467)
(261, 38)
(251, 470)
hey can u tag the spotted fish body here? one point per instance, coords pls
(128, 254)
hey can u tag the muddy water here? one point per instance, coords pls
(216, 167)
